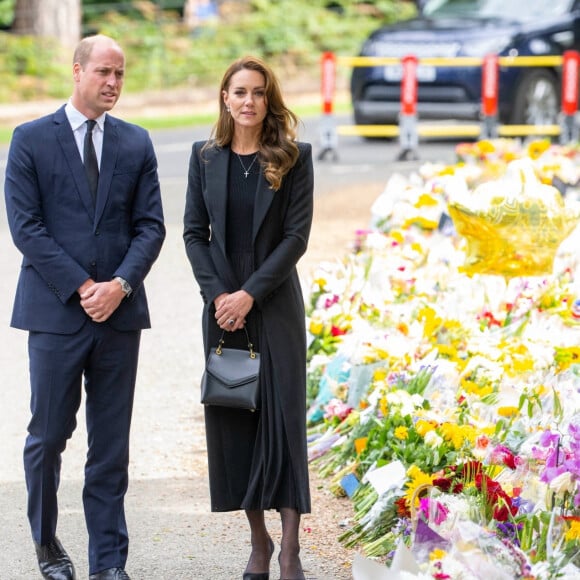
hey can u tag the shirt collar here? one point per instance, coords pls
(76, 118)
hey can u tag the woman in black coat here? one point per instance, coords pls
(247, 220)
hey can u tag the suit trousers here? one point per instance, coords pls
(107, 359)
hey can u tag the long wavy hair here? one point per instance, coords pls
(278, 149)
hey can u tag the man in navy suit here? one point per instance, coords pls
(84, 209)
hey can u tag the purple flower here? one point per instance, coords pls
(525, 506)
(574, 431)
(510, 531)
(548, 438)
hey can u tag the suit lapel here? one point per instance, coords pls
(108, 162)
(66, 138)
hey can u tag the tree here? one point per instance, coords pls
(60, 19)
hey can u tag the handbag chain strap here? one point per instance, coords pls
(218, 350)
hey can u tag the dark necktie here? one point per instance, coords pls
(90, 159)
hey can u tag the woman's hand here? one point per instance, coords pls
(231, 310)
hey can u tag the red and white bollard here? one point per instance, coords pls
(408, 136)
(328, 136)
(569, 127)
(489, 96)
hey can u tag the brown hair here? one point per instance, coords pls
(278, 149)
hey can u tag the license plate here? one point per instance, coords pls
(425, 73)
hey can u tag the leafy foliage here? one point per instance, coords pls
(162, 52)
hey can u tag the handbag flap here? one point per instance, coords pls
(233, 367)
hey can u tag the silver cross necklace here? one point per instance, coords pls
(247, 169)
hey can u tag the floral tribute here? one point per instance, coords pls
(445, 401)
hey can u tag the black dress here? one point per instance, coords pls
(249, 462)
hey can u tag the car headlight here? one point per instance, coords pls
(485, 46)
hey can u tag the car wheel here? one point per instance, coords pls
(537, 99)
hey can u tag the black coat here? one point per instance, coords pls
(281, 227)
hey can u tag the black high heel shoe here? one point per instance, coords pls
(260, 575)
(301, 572)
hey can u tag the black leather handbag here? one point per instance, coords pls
(231, 377)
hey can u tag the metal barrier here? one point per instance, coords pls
(409, 130)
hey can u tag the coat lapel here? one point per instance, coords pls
(264, 197)
(216, 174)
(67, 141)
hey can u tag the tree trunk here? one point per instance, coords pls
(59, 19)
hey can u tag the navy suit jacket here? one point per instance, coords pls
(64, 238)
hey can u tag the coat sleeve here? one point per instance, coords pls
(62, 274)
(147, 222)
(296, 230)
(197, 232)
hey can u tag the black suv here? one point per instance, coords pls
(455, 28)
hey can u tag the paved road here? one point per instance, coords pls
(172, 532)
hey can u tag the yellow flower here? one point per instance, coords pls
(521, 365)
(360, 444)
(397, 236)
(475, 388)
(383, 406)
(537, 147)
(437, 554)
(402, 432)
(423, 427)
(431, 322)
(418, 480)
(373, 354)
(449, 170)
(413, 471)
(380, 374)
(566, 356)
(516, 358)
(573, 533)
(320, 282)
(381, 354)
(316, 327)
(484, 146)
(508, 411)
(458, 435)
(421, 222)
(403, 328)
(447, 350)
(424, 200)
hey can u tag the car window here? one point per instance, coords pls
(504, 9)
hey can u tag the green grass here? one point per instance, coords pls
(5, 134)
(170, 122)
(176, 121)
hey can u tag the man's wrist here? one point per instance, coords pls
(125, 286)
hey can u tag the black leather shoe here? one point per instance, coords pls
(54, 562)
(110, 574)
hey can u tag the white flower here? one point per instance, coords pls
(563, 483)
(433, 440)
